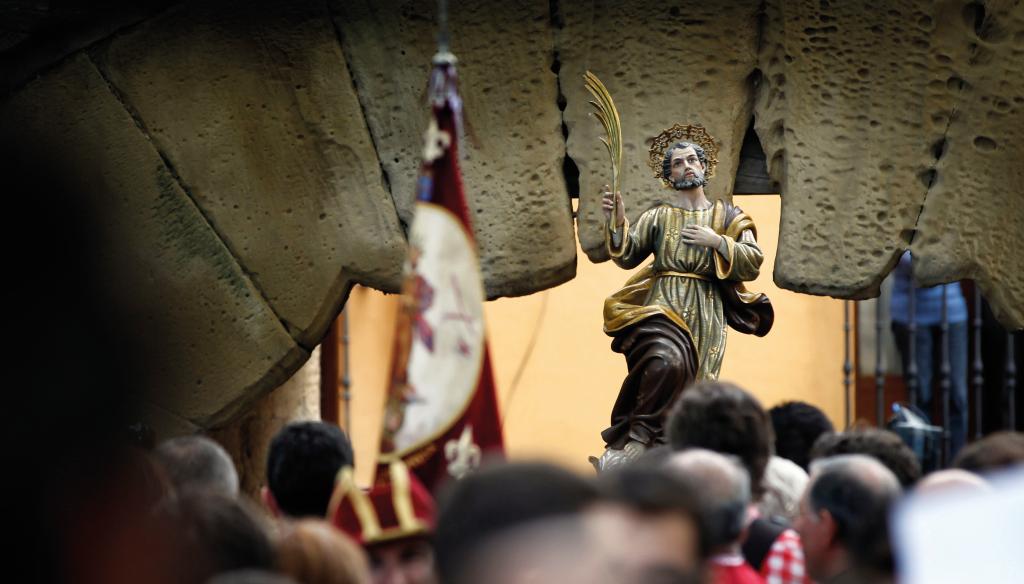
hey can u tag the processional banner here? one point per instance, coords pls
(441, 414)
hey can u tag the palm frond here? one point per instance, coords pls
(608, 115)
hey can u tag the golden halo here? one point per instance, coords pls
(696, 134)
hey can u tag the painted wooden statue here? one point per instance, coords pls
(670, 318)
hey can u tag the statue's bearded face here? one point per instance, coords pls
(686, 170)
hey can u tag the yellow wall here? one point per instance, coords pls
(371, 317)
(557, 377)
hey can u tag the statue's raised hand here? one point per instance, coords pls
(609, 203)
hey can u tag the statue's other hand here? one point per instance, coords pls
(609, 203)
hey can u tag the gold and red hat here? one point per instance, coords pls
(398, 506)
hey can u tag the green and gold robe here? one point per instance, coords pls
(696, 287)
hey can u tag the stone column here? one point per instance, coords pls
(247, 438)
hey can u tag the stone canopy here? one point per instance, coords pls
(259, 159)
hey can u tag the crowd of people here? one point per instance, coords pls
(739, 494)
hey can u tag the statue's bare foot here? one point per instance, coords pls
(614, 458)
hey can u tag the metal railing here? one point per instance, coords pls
(941, 373)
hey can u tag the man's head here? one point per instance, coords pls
(685, 166)
(797, 425)
(993, 452)
(495, 500)
(250, 577)
(218, 533)
(303, 461)
(650, 525)
(951, 479)
(408, 560)
(312, 551)
(883, 445)
(196, 462)
(549, 551)
(843, 516)
(725, 487)
(720, 416)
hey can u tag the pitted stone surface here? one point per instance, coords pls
(512, 171)
(256, 112)
(219, 345)
(841, 116)
(663, 63)
(878, 121)
(971, 224)
(883, 124)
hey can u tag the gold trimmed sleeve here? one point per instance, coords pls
(724, 264)
(744, 261)
(637, 240)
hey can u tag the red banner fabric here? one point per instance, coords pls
(441, 414)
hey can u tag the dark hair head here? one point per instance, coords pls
(219, 533)
(857, 491)
(496, 499)
(797, 425)
(303, 461)
(666, 163)
(656, 491)
(993, 452)
(721, 416)
(196, 462)
(883, 445)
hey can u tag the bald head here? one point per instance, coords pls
(862, 469)
(844, 516)
(196, 462)
(723, 476)
(724, 486)
(952, 479)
